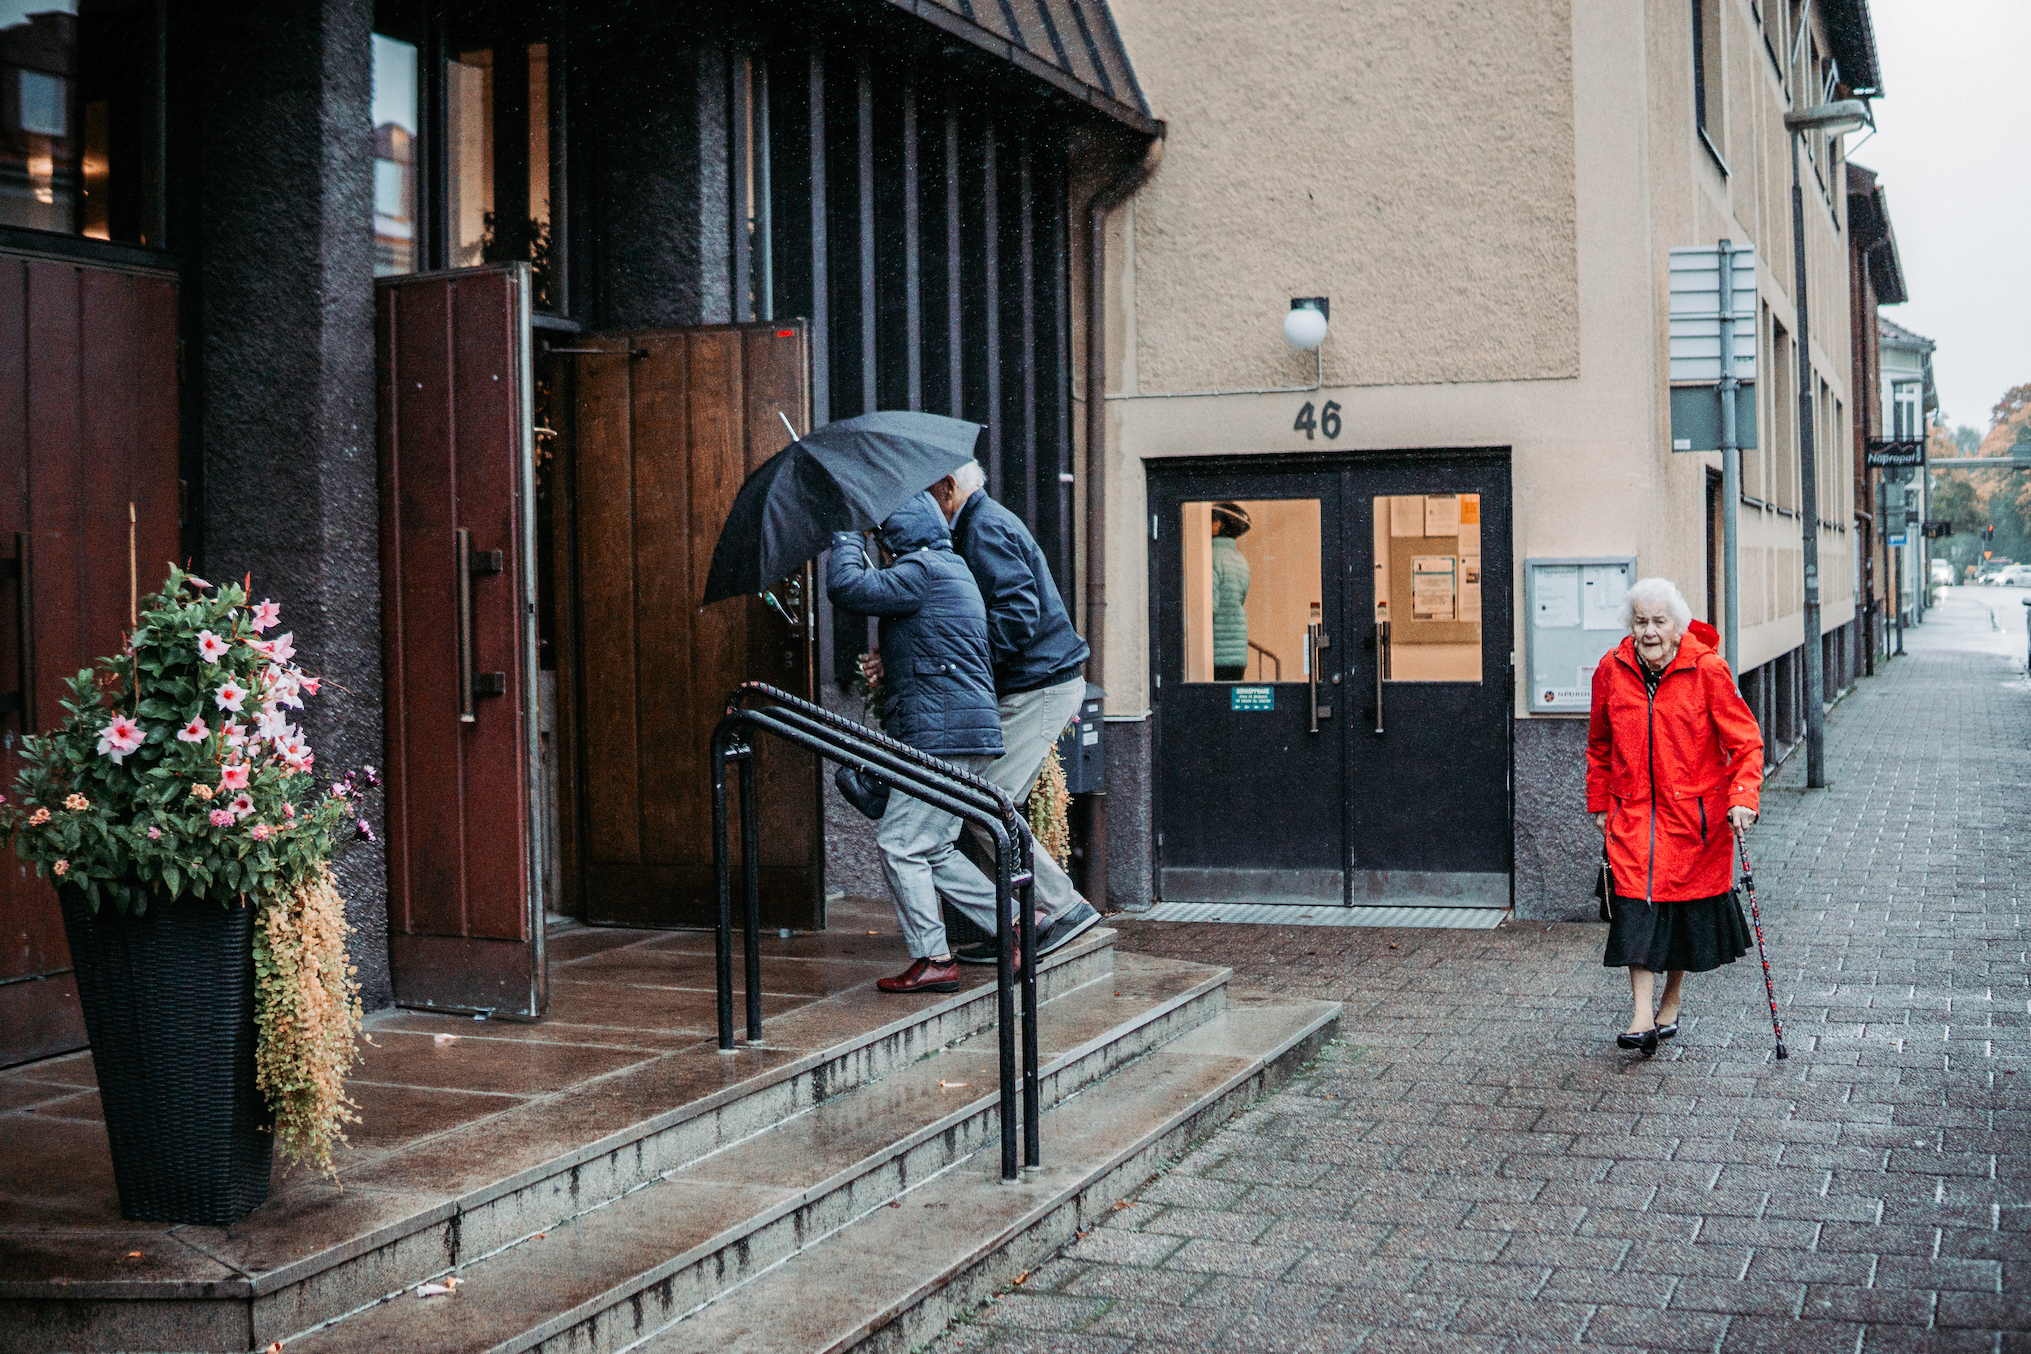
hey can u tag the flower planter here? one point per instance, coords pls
(168, 997)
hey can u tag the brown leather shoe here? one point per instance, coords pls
(925, 975)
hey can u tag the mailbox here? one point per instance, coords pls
(1079, 749)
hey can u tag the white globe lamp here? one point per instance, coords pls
(1304, 327)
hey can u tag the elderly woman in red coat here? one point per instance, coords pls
(1674, 766)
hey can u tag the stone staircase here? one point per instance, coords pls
(847, 1198)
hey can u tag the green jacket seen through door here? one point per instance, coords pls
(1230, 594)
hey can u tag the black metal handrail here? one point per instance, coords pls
(906, 770)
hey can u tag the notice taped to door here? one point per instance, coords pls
(1434, 587)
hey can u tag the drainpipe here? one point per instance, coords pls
(1112, 195)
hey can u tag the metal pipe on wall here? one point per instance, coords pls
(1731, 471)
(1808, 501)
(1110, 196)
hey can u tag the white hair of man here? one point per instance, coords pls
(969, 477)
(1655, 592)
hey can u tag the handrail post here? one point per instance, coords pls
(1004, 997)
(722, 935)
(750, 861)
(1033, 1152)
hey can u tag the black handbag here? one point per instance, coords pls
(1604, 887)
(862, 791)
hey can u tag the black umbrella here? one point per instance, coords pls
(845, 476)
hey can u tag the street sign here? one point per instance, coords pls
(1938, 530)
(1898, 539)
(1696, 313)
(1893, 451)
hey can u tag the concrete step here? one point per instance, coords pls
(892, 1280)
(601, 1279)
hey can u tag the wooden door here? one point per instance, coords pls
(88, 448)
(458, 622)
(669, 423)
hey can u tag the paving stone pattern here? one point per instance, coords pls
(1476, 1166)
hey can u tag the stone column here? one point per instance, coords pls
(284, 369)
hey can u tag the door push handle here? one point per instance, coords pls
(1381, 667)
(1316, 643)
(467, 565)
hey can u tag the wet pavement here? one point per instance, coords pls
(1476, 1166)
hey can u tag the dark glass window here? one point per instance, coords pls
(80, 118)
(395, 103)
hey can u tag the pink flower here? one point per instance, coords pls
(288, 810)
(62, 868)
(236, 733)
(38, 818)
(282, 648)
(230, 695)
(193, 732)
(119, 738)
(362, 831)
(210, 647)
(259, 832)
(309, 684)
(154, 834)
(241, 805)
(221, 817)
(233, 776)
(266, 614)
(273, 725)
(195, 581)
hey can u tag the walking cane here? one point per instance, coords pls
(1770, 988)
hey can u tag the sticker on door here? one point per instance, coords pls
(1251, 698)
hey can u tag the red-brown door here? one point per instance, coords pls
(88, 455)
(669, 423)
(458, 624)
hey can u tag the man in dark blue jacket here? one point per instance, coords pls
(937, 696)
(1039, 674)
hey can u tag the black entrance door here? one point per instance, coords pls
(1332, 680)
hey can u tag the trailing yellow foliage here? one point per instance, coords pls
(309, 1017)
(1047, 810)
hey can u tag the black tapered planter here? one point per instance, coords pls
(168, 998)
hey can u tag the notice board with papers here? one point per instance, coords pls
(1573, 619)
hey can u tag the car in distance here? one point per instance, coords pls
(2015, 576)
(1942, 573)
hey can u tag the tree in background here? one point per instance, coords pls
(1976, 499)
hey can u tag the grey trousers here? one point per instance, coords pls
(1030, 724)
(920, 856)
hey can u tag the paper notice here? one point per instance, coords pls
(1470, 588)
(1442, 514)
(1407, 515)
(1602, 588)
(1470, 510)
(1558, 596)
(1434, 587)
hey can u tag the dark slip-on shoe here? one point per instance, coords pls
(925, 975)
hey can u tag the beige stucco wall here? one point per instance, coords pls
(1488, 198)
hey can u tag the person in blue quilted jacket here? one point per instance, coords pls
(938, 696)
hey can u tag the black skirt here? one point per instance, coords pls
(1694, 936)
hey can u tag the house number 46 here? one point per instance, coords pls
(1328, 421)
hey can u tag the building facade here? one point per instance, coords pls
(1491, 218)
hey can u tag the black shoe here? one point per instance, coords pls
(1647, 1041)
(1077, 921)
(1668, 1031)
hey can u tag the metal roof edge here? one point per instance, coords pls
(1030, 64)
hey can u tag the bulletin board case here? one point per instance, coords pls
(1572, 611)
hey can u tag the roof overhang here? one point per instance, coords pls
(1852, 36)
(1071, 45)
(1871, 232)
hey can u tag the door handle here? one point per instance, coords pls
(1316, 643)
(1381, 667)
(471, 684)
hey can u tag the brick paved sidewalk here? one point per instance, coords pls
(1477, 1167)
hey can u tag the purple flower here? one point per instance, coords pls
(362, 831)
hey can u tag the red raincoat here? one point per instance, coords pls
(1667, 769)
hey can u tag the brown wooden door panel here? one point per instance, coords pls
(670, 422)
(455, 441)
(88, 437)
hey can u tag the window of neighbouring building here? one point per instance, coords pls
(395, 128)
(81, 120)
(1904, 415)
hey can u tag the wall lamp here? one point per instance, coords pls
(1835, 119)
(1305, 325)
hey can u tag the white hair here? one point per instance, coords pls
(969, 477)
(1656, 592)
